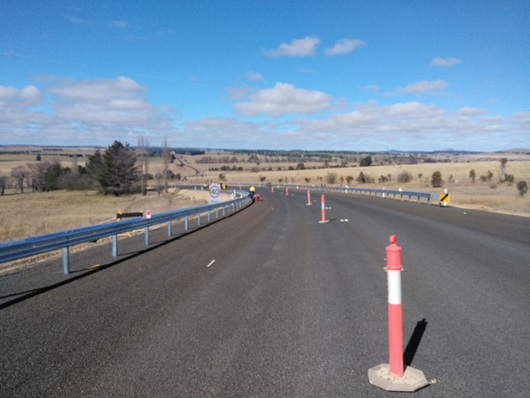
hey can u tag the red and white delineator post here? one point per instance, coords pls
(323, 201)
(395, 307)
(308, 198)
(393, 376)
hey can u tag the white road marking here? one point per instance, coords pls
(211, 263)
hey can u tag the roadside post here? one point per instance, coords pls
(444, 198)
(323, 206)
(215, 192)
(393, 376)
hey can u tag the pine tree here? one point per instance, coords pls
(115, 169)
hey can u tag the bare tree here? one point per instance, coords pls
(166, 158)
(143, 156)
(503, 169)
(20, 174)
(37, 174)
(3, 185)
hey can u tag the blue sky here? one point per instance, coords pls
(353, 75)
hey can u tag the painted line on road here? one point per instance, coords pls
(211, 263)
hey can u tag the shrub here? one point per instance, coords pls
(366, 161)
(404, 177)
(436, 179)
(472, 175)
(361, 179)
(522, 187)
(331, 178)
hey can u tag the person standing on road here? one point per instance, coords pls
(252, 190)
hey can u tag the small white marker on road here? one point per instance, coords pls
(211, 263)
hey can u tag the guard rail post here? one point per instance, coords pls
(392, 376)
(114, 245)
(66, 260)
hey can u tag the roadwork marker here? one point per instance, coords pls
(323, 220)
(392, 376)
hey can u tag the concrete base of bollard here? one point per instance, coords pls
(412, 379)
(323, 222)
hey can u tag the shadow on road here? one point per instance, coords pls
(414, 342)
(83, 273)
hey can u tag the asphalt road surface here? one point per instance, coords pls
(271, 303)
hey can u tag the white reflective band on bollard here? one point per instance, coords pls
(394, 287)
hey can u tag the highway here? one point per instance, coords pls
(271, 303)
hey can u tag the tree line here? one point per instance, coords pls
(118, 170)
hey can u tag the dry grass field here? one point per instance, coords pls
(484, 195)
(31, 214)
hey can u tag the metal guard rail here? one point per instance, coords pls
(381, 192)
(17, 249)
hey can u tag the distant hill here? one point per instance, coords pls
(197, 151)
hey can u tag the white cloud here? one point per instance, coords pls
(10, 96)
(344, 46)
(98, 89)
(373, 87)
(413, 126)
(97, 111)
(251, 75)
(421, 87)
(470, 112)
(296, 48)
(445, 62)
(120, 24)
(217, 132)
(116, 102)
(283, 98)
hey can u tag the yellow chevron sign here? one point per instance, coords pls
(444, 199)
